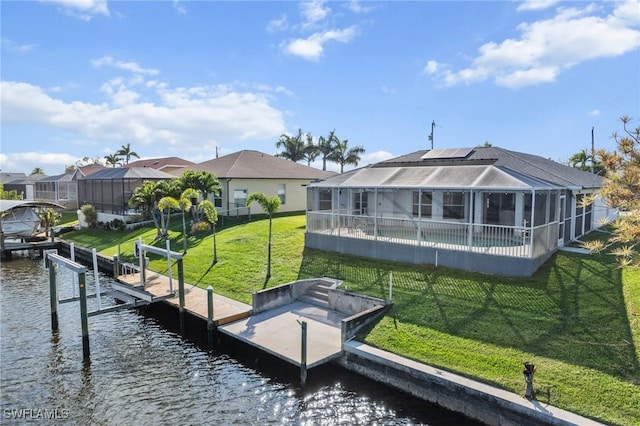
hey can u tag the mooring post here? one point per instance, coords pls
(116, 266)
(72, 252)
(181, 293)
(169, 266)
(137, 248)
(210, 324)
(53, 296)
(96, 276)
(84, 316)
(303, 354)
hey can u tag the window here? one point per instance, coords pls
(422, 208)
(453, 205)
(282, 192)
(360, 202)
(239, 197)
(217, 201)
(324, 201)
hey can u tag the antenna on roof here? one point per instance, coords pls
(433, 124)
(216, 152)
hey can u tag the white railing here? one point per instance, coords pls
(513, 241)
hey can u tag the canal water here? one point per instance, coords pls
(142, 371)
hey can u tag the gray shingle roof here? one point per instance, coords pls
(249, 164)
(524, 164)
(128, 173)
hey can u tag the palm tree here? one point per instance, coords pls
(126, 152)
(269, 206)
(185, 206)
(325, 146)
(342, 155)
(581, 160)
(311, 150)
(113, 160)
(294, 148)
(211, 214)
(203, 182)
(49, 218)
(145, 197)
(37, 171)
(165, 205)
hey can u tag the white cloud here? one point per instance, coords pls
(313, 12)
(356, 7)
(431, 67)
(280, 24)
(18, 48)
(312, 47)
(536, 4)
(82, 9)
(182, 118)
(388, 90)
(126, 66)
(594, 113)
(549, 47)
(178, 5)
(51, 163)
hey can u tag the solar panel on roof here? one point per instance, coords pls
(447, 153)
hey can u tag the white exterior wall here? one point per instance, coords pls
(602, 214)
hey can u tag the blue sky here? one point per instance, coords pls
(177, 78)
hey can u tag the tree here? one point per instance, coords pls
(311, 150)
(145, 197)
(211, 215)
(126, 152)
(344, 155)
(185, 205)
(622, 191)
(203, 182)
(113, 160)
(269, 206)
(325, 146)
(8, 195)
(582, 160)
(37, 171)
(294, 148)
(166, 205)
(49, 218)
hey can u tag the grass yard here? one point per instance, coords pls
(577, 319)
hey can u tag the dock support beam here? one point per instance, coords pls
(84, 316)
(210, 324)
(181, 293)
(303, 354)
(53, 296)
(116, 265)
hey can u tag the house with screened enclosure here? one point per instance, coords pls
(483, 209)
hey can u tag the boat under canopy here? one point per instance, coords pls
(19, 218)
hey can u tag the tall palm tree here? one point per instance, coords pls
(126, 152)
(344, 155)
(203, 182)
(294, 148)
(37, 171)
(145, 197)
(211, 214)
(311, 150)
(269, 206)
(325, 146)
(581, 160)
(185, 205)
(112, 159)
(165, 205)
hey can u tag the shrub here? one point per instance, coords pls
(200, 226)
(90, 215)
(117, 224)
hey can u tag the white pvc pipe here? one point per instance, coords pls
(169, 264)
(72, 249)
(96, 277)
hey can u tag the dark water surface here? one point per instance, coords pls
(143, 372)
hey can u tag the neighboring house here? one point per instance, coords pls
(483, 209)
(63, 189)
(245, 172)
(24, 185)
(166, 164)
(109, 190)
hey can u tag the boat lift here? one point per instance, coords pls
(131, 296)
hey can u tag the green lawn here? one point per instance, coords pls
(577, 318)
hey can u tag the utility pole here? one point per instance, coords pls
(433, 124)
(593, 152)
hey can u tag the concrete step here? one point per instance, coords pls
(318, 294)
(314, 301)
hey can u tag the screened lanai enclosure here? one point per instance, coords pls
(110, 190)
(477, 217)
